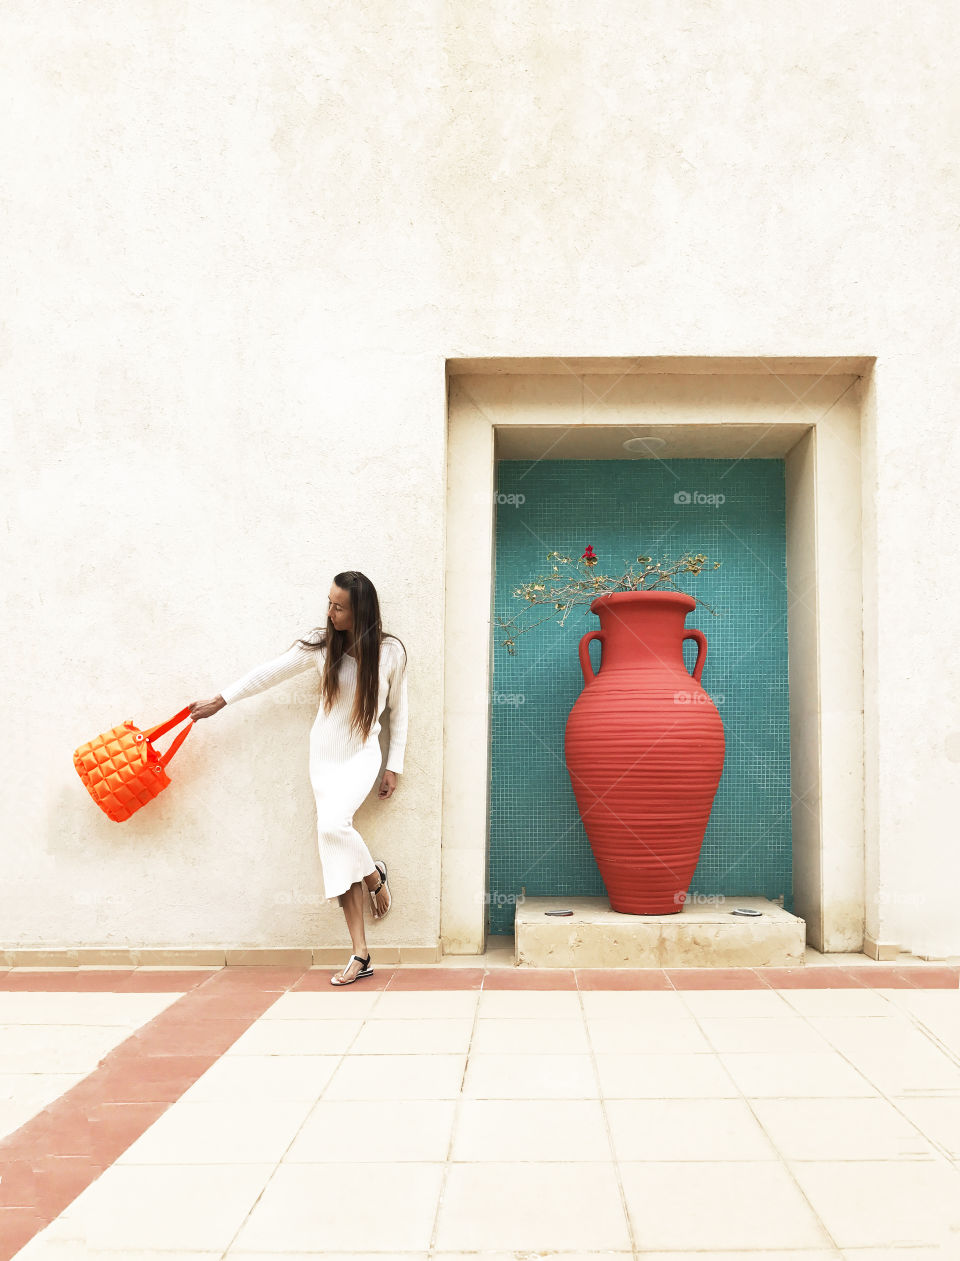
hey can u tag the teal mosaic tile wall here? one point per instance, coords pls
(625, 508)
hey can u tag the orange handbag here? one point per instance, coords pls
(122, 771)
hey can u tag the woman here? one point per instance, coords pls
(361, 669)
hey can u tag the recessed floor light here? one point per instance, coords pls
(649, 442)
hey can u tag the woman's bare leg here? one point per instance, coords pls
(352, 902)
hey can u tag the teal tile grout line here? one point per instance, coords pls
(625, 508)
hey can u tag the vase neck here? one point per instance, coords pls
(641, 634)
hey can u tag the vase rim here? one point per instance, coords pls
(672, 597)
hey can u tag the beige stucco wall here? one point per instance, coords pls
(240, 240)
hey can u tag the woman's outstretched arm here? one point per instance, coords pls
(266, 675)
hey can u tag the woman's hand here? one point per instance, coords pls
(388, 785)
(205, 709)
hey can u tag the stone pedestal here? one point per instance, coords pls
(702, 935)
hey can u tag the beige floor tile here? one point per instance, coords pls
(540, 1036)
(656, 1035)
(27, 1007)
(856, 1031)
(899, 1059)
(56, 1048)
(840, 1129)
(324, 1207)
(751, 1033)
(347, 1004)
(521, 1076)
(517, 1206)
(919, 1076)
(296, 1037)
(219, 1132)
(945, 1029)
(426, 1005)
(649, 1005)
(719, 1205)
(530, 1129)
(925, 1002)
(882, 1203)
(839, 1002)
(241, 1077)
(785, 1075)
(397, 1077)
(23, 1095)
(529, 1005)
(666, 1076)
(937, 1118)
(408, 1037)
(686, 1129)
(384, 1130)
(177, 1208)
(730, 1003)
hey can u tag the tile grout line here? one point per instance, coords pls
(631, 1234)
(432, 1248)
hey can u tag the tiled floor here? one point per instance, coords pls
(473, 1110)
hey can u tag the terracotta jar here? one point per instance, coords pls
(644, 747)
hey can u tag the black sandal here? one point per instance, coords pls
(381, 867)
(366, 970)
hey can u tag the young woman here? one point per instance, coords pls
(361, 669)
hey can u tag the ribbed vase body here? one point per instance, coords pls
(644, 747)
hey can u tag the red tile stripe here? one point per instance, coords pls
(48, 1161)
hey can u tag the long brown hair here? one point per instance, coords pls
(368, 634)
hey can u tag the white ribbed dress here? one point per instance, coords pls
(343, 768)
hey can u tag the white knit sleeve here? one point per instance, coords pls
(397, 700)
(294, 661)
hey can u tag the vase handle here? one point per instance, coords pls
(586, 665)
(701, 639)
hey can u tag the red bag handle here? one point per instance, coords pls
(162, 728)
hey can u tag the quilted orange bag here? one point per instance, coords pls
(122, 771)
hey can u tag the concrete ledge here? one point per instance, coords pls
(880, 950)
(700, 936)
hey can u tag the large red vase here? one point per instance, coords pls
(644, 747)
